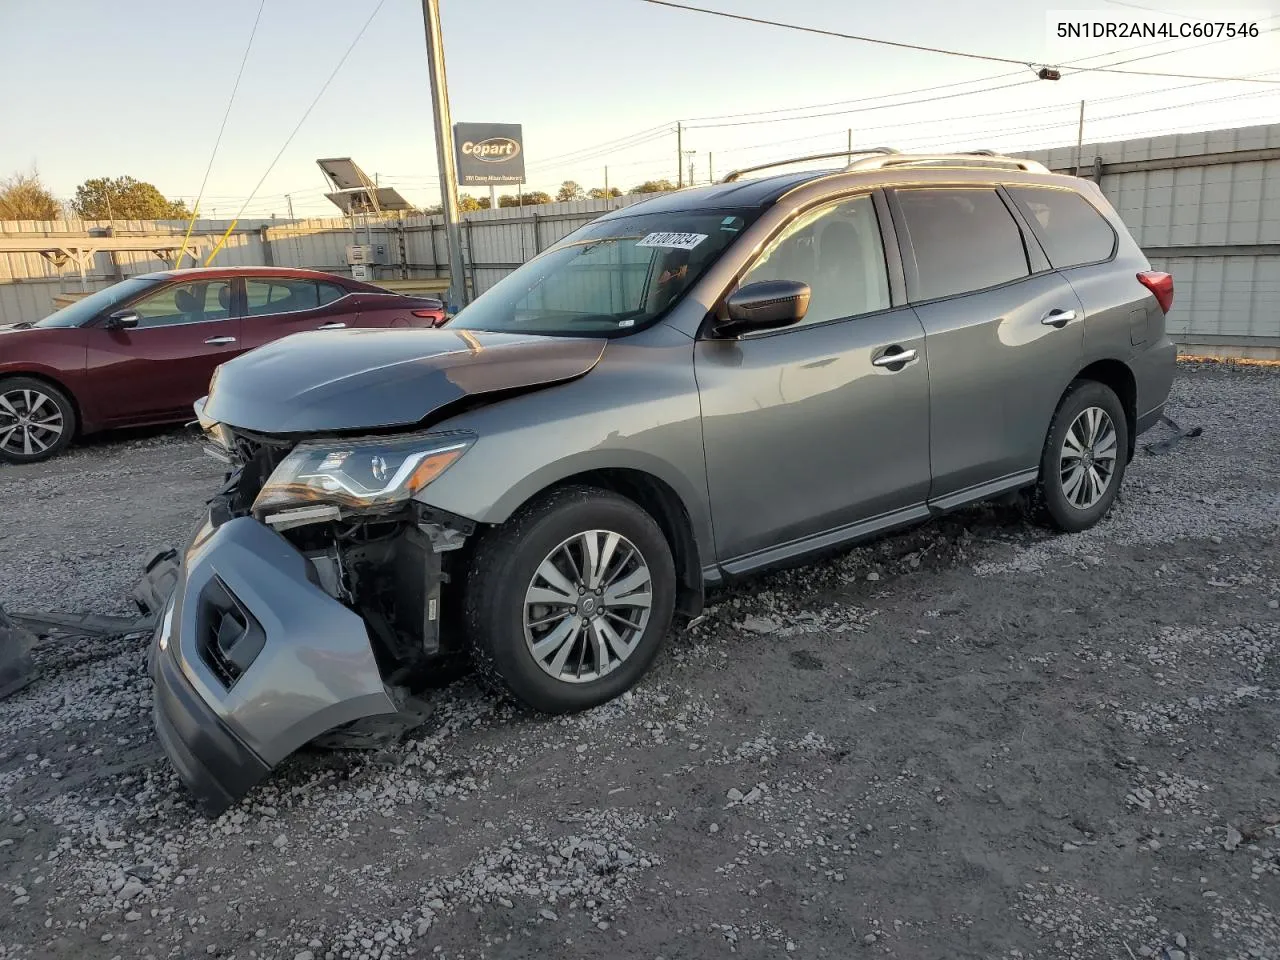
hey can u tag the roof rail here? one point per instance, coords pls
(735, 174)
(972, 158)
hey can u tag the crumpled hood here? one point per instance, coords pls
(339, 380)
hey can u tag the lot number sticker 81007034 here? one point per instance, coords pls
(677, 241)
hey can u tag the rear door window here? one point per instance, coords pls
(963, 238)
(1070, 228)
(271, 295)
(330, 292)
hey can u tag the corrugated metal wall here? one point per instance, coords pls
(1206, 208)
(28, 281)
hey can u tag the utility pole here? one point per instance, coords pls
(444, 152)
(691, 154)
(679, 154)
(711, 171)
(1079, 140)
(849, 157)
(606, 183)
(297, 241)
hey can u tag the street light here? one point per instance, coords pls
(444, 153)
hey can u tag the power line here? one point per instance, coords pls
(195, 207)
(1003, 113)
(601, 149)
(302, 120)
(234, 88)
(925, 49)
(986, 132)
(962, 83)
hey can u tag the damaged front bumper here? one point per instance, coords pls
(252, 659)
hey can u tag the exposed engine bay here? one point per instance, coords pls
(391, 568)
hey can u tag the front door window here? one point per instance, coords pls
(179, 303)
(837, 250)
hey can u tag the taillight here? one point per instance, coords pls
(435, 316)
(1160, 284)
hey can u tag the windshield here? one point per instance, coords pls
(610, 276)
(82, 311)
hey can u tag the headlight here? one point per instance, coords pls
(360, 474)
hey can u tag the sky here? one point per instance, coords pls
(139, 87)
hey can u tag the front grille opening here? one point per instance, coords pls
(228, 637)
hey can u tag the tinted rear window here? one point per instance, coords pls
(1070, 228)
(963, 239)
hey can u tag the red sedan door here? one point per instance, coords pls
(157, 369)
(278, 306)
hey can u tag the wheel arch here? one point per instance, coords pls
(59, 385)
(1116, 375)
(660, 500)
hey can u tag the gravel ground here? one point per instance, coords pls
(968, 740)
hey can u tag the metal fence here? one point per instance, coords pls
(1204, 206)
(29, 280)
(494, 242)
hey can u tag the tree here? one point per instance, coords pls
(569, 190)
(469, 204)
(597, 193)
(24, 197)
(124, 198)
(654, 186)
(536, 197)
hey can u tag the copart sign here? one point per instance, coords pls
(489, 153)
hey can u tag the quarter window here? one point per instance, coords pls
(963, 239)
(1070, 228)
(837, 250)
(185, 303)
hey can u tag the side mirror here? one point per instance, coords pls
(765, 305)
(121, 320)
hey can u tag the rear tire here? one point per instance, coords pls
(37, 420)
(568, 603)
(1084, 458)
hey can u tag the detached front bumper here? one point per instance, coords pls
(253, 660)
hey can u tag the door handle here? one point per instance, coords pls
(335, 325)
(219, 341)
(899, 359)
(1058, 318)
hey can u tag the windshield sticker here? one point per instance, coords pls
(676, 241)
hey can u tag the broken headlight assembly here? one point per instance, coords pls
(322, 479)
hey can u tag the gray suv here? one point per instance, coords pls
(689, 389)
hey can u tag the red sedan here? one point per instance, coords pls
(142, 351)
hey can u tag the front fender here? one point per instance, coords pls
(638, 410)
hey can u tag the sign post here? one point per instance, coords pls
(444, 153)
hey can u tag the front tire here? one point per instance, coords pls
(1084, 458)
(568, 603)
(37, 420)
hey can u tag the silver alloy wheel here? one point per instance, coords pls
(30, 422)
(587, 606)
(1089, 453)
